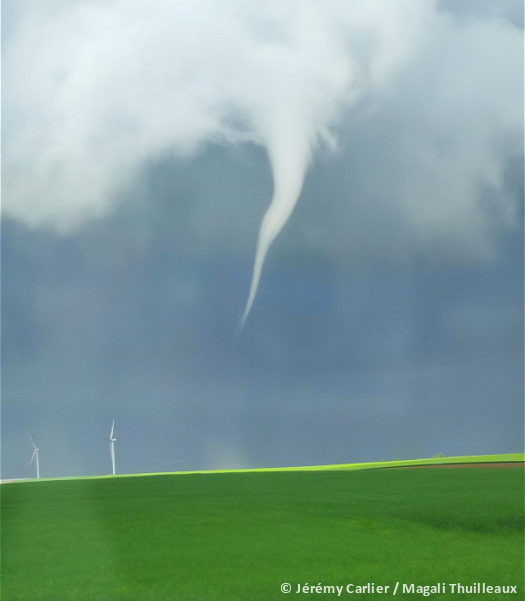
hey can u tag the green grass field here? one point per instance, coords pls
(239, 536)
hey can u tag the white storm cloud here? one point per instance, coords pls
(93, 91)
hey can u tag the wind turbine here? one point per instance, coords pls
(112, 442)
(35, 454)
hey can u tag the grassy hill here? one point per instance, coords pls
(240, 535)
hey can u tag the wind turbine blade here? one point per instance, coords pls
(29, 438)
(112, 428)
(28, 465)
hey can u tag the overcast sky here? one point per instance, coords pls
(142, 145)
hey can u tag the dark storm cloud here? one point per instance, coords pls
(509, 10)
(133, 319)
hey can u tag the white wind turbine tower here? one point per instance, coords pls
(112, 442)
(35, 454)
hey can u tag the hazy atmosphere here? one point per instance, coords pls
(142, 146)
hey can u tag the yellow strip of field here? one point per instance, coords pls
(502, 458)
